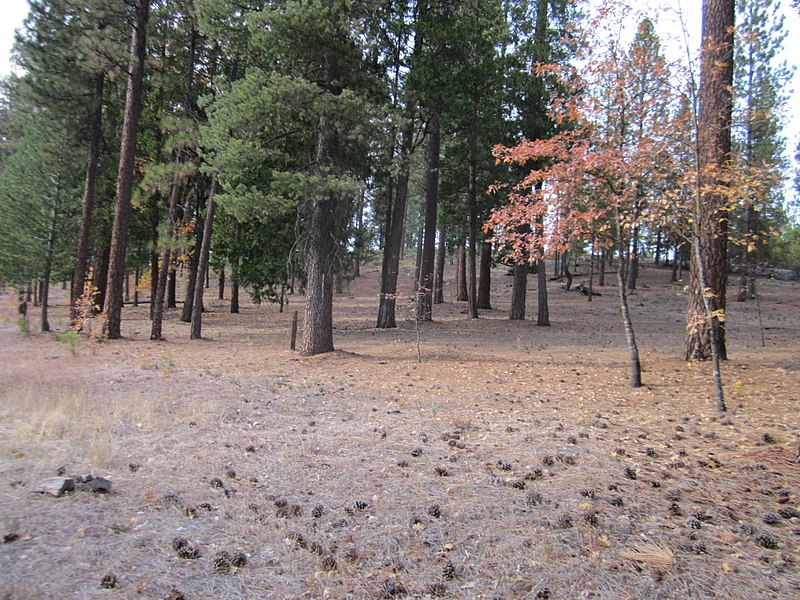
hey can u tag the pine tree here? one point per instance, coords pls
(124, 187)
(708, 271)
(758, 83)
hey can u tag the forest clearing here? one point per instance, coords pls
(422, 436)
(512, 461)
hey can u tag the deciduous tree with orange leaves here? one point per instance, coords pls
(600, 179)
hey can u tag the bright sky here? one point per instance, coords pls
(15, 11)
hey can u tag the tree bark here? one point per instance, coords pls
(633, 260)
(485, 277)
(630, 336)
(543, 308)
(714, 149)
(166, 274)
(89, 193)
(124, 185)
(191, 281)
(234, 289)
(519, 292)
(221, 284)
(441, 250)
(519, 289)
(603, 257)
(202, 265)
(425, 292)
(100, 277)
(359, 245)
(172, 284)
(745, 266)
(461, 273)
(472, 256)
(317, 336)
(155, 270)
(44, 296)
(394, 240)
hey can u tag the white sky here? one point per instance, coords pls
(13, 13)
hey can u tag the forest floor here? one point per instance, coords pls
(512, 461)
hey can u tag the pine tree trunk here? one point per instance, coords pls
(543, 312)
(519, 292)
(48, 258)
(714, 151)
(155, 270)
(420, 239)
(89, 193)
(472, 256)
(172, 284)
(124, 185)
(221, 284)
(485, 278)
(745, 262)
(202, 265)
(359, 245)
(317, 337)
(235, 286)
(461, 274)
(438, 292)
(191, 280)
(519, 289)
(393, 247)
(543, 308)
(425, 293)
(157, 301)
(603, 257)
(166, 274)
(100, 274)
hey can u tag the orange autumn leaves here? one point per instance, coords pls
(612, 160)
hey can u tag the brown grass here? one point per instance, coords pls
(513, 462)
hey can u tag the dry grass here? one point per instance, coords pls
(511, 463)
(653, 554)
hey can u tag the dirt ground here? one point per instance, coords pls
(512, 462)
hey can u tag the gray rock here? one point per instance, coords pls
(784, 275)
(98, 485)
(55, 486)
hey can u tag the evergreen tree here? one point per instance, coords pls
(288, 135)
(38, 200)
(759, 84)
(124, 186)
